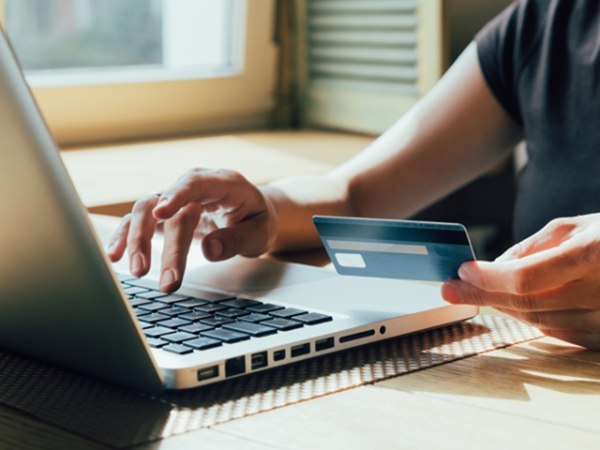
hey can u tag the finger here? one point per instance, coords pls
(141, 230)
(587, 339)
(537, 272)
(583, 320)
(222, 188)
(248, 238)
(118, 241)
(576, 295)
(179, 233)
(552, 235)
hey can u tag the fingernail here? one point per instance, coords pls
(168, 278)
(111, 248)
(137, 263)
(465, 274)
(216, 248)
(451, 294)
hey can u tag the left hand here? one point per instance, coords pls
(551, 281)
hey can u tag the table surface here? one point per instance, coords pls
(543, 393)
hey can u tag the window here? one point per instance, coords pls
(114, 69)
(70, 42)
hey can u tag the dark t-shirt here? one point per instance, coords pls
(541, 59)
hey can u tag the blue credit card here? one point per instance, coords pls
(401, 249)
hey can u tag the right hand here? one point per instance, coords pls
(229, 214)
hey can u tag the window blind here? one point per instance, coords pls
(368, 61)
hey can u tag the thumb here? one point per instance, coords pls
(250, 237)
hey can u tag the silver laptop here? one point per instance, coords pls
(63, 302)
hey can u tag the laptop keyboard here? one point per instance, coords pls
(183, 324)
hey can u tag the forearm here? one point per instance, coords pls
(457, 131)
(451, 136)
(296, 200)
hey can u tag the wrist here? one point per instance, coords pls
(269, 196)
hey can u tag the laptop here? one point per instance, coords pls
(62, 301)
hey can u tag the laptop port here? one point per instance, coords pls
(208, 372)
(278, 355)
(323, 344)
(299, 350)
(235, 366)
(353, 337)
(259, 360)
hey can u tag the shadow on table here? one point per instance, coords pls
(120, 417)
(555, 366)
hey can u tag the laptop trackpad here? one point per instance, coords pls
(252, 275)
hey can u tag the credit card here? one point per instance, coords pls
(401, 249)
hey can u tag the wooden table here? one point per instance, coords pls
(543, 393)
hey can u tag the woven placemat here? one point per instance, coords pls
(120, 417)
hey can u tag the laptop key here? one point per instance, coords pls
(151, 295)
(124, 277)
(254, 318)
(231, 313)
(138, 301)
(144, 325)
(312, 318)
(157, 331)
(195, 316)
(175, 311)
(152, 318)
(191, 303)
(229, 337)
(286, 313)
(213, 297)
(176, 322)
(241, 303)
(264, 308)
(179, 337)
(178, 348)
(171, 298)
(153, 307)
(282, 324)
(252, 329)
(203, 343)
(156, 343)
(134, 290)
(140, 312)
(210, 308)
(196, 328)
(216, 321)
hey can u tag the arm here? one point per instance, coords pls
(448, 138)
(457, 131)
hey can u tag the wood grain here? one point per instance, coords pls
(530, 381)
(123, 173)
(376, 417)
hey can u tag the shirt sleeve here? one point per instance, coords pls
(496, 49)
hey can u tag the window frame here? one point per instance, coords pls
(87, 114)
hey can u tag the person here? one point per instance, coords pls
(533, 73)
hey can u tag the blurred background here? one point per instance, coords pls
(106, 71)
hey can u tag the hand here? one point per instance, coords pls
(550, 281)
(230, 214)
